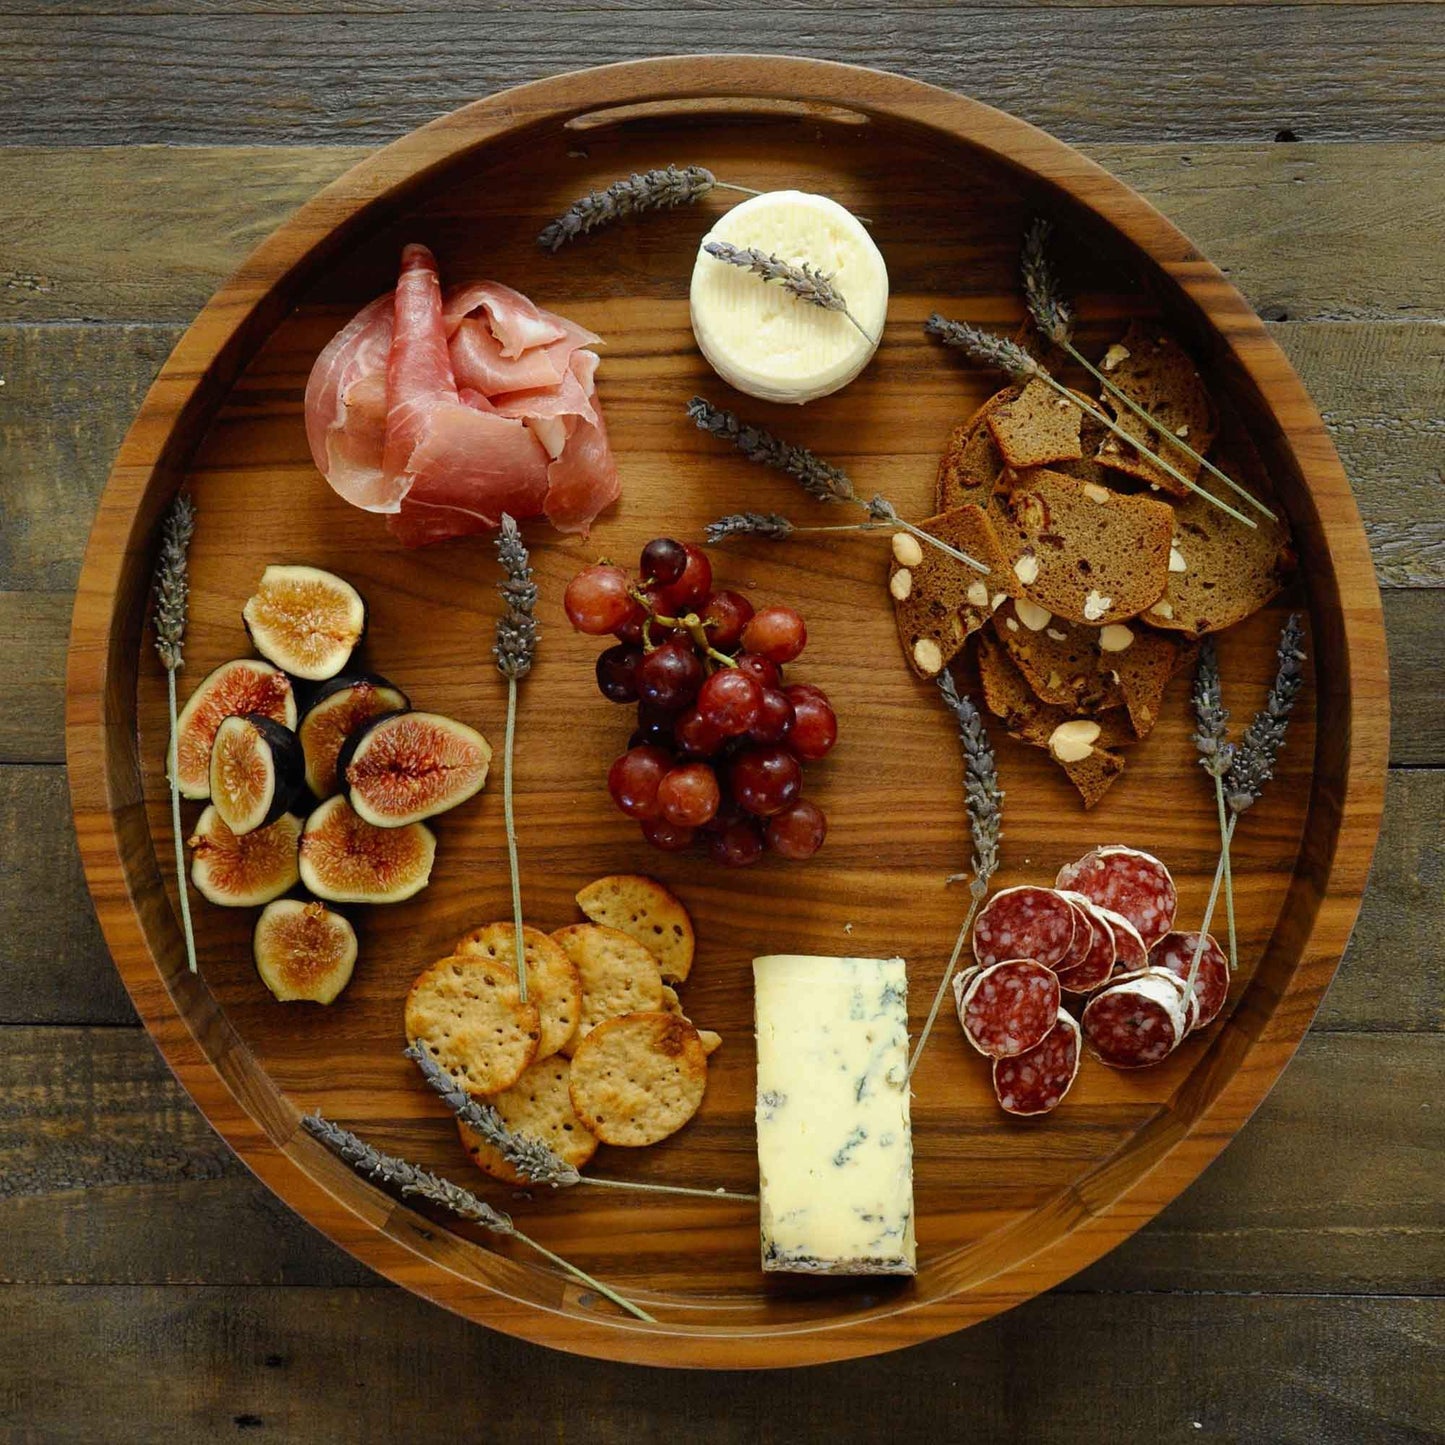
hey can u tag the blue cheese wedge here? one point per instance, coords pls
(835, 1150)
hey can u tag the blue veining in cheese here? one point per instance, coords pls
(835, 1151)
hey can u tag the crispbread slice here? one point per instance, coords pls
(937, 600)
(1036, 427)
(1061, 661)
(1084, 552)
(538, 1105)
(643, 908)
(1142, 668)
(1155, 372)
(638, 1078)
(1092, 435)
(552, 981)
(971, 460)
(469, 1016)
(618, 974)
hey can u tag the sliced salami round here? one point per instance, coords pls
(961, 981)
(1135, 884)
(1024, 922)
(1009, 1007)
(1083, 935)
(1175, 952)
(1130, 955)
(1035, 1081)
(1138, 1021)
(1097, 961)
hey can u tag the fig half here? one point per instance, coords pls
(347, 860)
(408, 766)
(337, 710)
(304, 951)
(239, 872)
(305, 620)
(256, 772)
(233, 689)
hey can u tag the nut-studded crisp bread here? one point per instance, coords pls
(971, 460)
(1037, 427)
(619, 976)
(638, 1078)
(643, 908)
(538, 1105)
(469, 1016)
(552, 981)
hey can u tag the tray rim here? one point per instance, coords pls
(193, 1034)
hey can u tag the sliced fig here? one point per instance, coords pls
(347, 860)
(305, 620)
(234, 689)
(256, 772)
(240, 872)
(337, 710)
(408, 766)
(304, 951)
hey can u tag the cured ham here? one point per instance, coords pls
(445, 410)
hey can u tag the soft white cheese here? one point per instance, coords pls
(835, 1152)
(759, 337)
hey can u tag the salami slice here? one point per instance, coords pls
(1035, 1081)
(1135, 884)
(1009, 1007)
(1024, 922)
(961, 981)
(1137, 1021)
(1083, 935)
(1097, 962)
(1175, 951)
(1130, 955)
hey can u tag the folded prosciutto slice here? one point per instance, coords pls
(444, 411)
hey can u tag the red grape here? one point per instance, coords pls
(630, 631)
(633, 778)
(617, 673)
(724, 615)
(765, 673)
(689, 795)
(669, 676)
(667, 836)
(691, 588)
(797, 832)
(777, 633)
(815, 727)
(696, 735)
(795, 690)
(775, 718)
(598, 600)
(765, 780)
(663, 562)
(730, 700)
(737, 845)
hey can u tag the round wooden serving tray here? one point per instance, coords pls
(1005, 1207)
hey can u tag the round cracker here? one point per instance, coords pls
(643, 908)
(638, 1078)
(538, 1105)
(619, 976)
(468, 1015)
(552, 981)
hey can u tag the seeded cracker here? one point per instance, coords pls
(638, 1078)
(538, 1105)
(619, 976)
(468, 1014)
(552, 981)
(643, 908)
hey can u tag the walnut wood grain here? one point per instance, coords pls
(1000, 1222)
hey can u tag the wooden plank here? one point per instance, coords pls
(1337, 72)
(1417, 728)
(1283, 220)
(578, 12)
(344, 1364)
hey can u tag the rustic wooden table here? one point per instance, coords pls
(152, 1289)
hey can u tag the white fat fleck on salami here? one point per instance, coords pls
(1025, 922)
(1128, 881)
(1036, 1081)
(1175, 952)
(1009, 1007)
(1130, 955)
(1096, 961)
(1136, 1022)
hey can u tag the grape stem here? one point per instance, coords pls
(694, 625)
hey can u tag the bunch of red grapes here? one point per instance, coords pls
(721, 740)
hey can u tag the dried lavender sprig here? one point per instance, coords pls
(815, 287)
(410, 1181)
(820, 479)
(773, 527)
(1054, 318)
(1008, 356)
(531, 1157)
(514, 648)
(1216, 754)
(1259, 749)
(984, 799)
(172, 609)
(655, 190)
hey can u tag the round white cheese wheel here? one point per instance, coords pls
(761, 338)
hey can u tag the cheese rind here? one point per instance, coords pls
(835, 1149)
